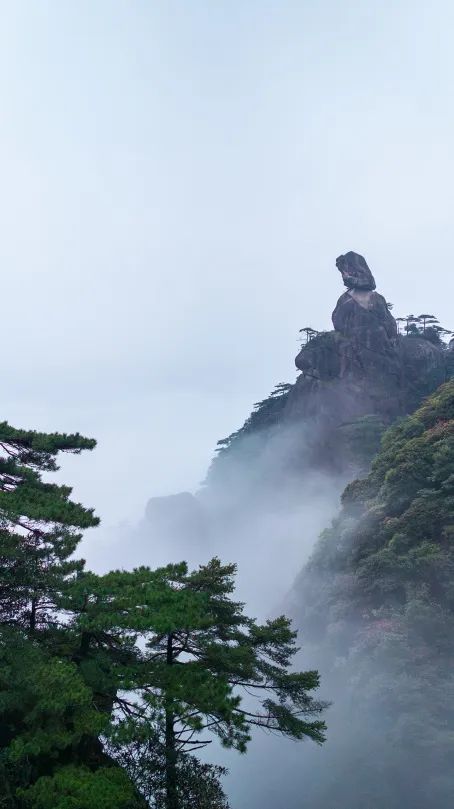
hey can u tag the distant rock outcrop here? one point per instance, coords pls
(355, 381)
(363, 367)
(359, 377)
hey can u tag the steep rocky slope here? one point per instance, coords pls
(354, 381)
(361, 369)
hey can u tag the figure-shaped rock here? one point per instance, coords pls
(361, 312)
(355, 272)
(355, 370)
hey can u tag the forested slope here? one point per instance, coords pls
(377, 600)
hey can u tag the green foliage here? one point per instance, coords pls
(379, 595)
(404, 510)
(80, 788)
(46, 699)
(39, 525)
(49, 717)
(180, 639)
(176, 651)
(143, 757)
(109, 684)
(426, 326)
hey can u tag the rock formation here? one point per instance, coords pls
(355, 272)
(275, 482)
(361, 312)
(362, 372)
(363, 367)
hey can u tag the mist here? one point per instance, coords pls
(264, 506)
(265, 517)
(176, 181)
(175, 185)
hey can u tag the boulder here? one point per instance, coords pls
(359, 313)
(355, 272)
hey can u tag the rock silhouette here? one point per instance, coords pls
(355, 271)
(362, 368)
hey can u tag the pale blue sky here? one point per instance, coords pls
(177, 181)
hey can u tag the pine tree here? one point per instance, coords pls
(427, 319)
(39, 525)
(181, 653)
(109, 684)
(309, 332)
(51, 756)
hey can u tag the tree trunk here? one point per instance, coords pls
(171, 752)
(33, 614)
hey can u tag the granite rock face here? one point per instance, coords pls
(363, 367)
(364, 345)
(355, 272)
(354, 381)
(424, 367)
(362, 312)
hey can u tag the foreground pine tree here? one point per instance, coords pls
(185, 654)
(39, 526)
(50, 723)
(110, 684)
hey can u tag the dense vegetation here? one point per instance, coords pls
(394, 533)
(426, 326)
(109, 684)
(379, 601)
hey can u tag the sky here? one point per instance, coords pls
(177, 179)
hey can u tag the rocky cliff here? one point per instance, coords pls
(363, 369)
(374, 369)
(354, 381)
(375, 602)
